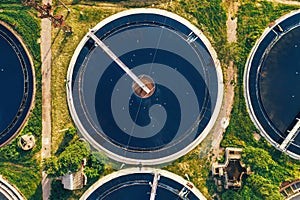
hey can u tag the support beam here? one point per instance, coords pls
(154, 185)
(184, 192)
(120, 63)
(292, 134)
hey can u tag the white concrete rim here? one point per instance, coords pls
(137, 170)
(12, 188)
(294, 195)
(246, 85)
(32, 103)
(204, 133)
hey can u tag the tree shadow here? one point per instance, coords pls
(58, 192)
(66, 140)
(38, 193)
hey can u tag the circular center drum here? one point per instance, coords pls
(170, 58)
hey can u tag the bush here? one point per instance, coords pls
(94, 167)
(69, 160)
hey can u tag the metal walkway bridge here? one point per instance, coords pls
(292, 134)
(154, 185)
(119, 62)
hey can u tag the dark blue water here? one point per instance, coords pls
(274, 82)
(15, 90)
(162, 94)
(2, 197)
(11, 84)
(279, 81)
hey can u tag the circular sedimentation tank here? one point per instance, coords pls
(142, 184)
(272, 84)
(295, 197)
(8, 191)
(144, 86)
(16, 84)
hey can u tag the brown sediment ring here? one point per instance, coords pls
(32, 103)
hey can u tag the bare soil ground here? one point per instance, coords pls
(46, 98)
(229, 81)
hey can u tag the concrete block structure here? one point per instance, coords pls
(229, 174)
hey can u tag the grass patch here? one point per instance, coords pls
(197, 169)
(81, 19)
(25, 177)
(10, 1)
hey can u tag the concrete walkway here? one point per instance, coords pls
(46, 98)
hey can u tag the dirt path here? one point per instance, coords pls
(229, 80)
(224, 116)
(231, 22)
(46, 98)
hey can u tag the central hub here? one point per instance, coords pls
(148, 81)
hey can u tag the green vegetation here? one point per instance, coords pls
(94, 167)
(9, 1)
(59, 193)
(257, 187)
(69, 134)
(211, 19)
(69, 160)
(23, 168)
(196, 168)
(81, 18)
(270, 166)
(26, 176)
